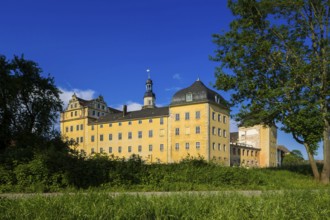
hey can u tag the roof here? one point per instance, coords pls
(200, 93)
(143, 113)
(83, 102)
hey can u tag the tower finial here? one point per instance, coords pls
(198, 78)
(148, 71)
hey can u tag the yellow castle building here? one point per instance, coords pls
(195, 124)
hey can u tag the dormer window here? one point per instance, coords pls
(189, 97)
(217, 99)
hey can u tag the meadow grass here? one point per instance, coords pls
(302, 204)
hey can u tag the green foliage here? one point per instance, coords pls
(277, 205)
(29, 103)
(275, 59)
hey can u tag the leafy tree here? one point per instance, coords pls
(275, 59)
(295, 157)
(29, 102)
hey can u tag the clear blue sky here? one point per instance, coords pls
(104, 47)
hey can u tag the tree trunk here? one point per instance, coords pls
(312, 162)
(326, 155)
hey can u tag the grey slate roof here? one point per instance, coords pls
(200, 93)
(143, 113)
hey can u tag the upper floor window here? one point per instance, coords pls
(219, 147)
(161, 147)
(71, 128)
(110, 124)
(77, 127)
(101, 126)
(140, 121)
(213, 130)
(139, 148)
(129, 123)
(198, 129)
(219, 132)
(119, 123)
(150, 133)
(213, 115)
(66, 129)
(187, 146)
(150, 147)
(129, 149)
(177, 131)
(161, 121)
(101, 137)
(71, 114)
(177, 146)
(119, 136)
(187, 116)
(140, 134)
(119, 149)
(150, 120)
(75, 113)
(224, 119)
(219, 118)
(110, 137)
(94, 113)
(81, 139)
(198, 115)
(92, 138)
(189, 97)
(81, 127)
(92, 127)
(177, 117)
(224, 133)
(129, 135)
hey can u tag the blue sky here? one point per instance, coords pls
(103, 47)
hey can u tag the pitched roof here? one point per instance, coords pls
(200, 93)
(143, 113)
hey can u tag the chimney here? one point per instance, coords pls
(124, 110)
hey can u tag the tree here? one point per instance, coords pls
(275, 59)
(293, 158)
(29, 103)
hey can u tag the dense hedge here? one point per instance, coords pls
(54, 170)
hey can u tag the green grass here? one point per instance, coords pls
(303, 204)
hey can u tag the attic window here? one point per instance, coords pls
(217, 99)
(189, 97)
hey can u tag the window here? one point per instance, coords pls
(66, 129)
(219, 132)
(243, 152)
(224, 133)
(129, 123)
(75, 113)
(224, 119)
(92, 127)
(77, 127)
(119, 149)
(150, 133)
(198, 129)
(187, 146)
(101, 126)
(219, 147)
(150, 147)
(238, 151)
(75, 105)
(77, 140)
(129, 149)
(110, 150)
(189, 97)
(224, 147)
(150, 120)
(177, 117)
(139, 148)
(81, 139)
(252, 153)
(98, 106)
(213, 146)
(92, 150)
(161, 147)
(187, 116)
(119, 136)
(247, 152)
(140, 134)
(177, 146)
(101, 149)
(161, 121)
(71, 106)
(213, 130)
(213, 115)
(110, 137)
(71, 114)
(81, 127)
(101, 137)
(110, 125)
(177, 131)
(140, 121)
(98, 114)
(129, 135)
(71, 128)
(198, 115)
(198, 145)
(93, 113)
(92, 138)
(119, 123)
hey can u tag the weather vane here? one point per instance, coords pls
(148, 71)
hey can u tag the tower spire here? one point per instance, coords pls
(149, 97)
